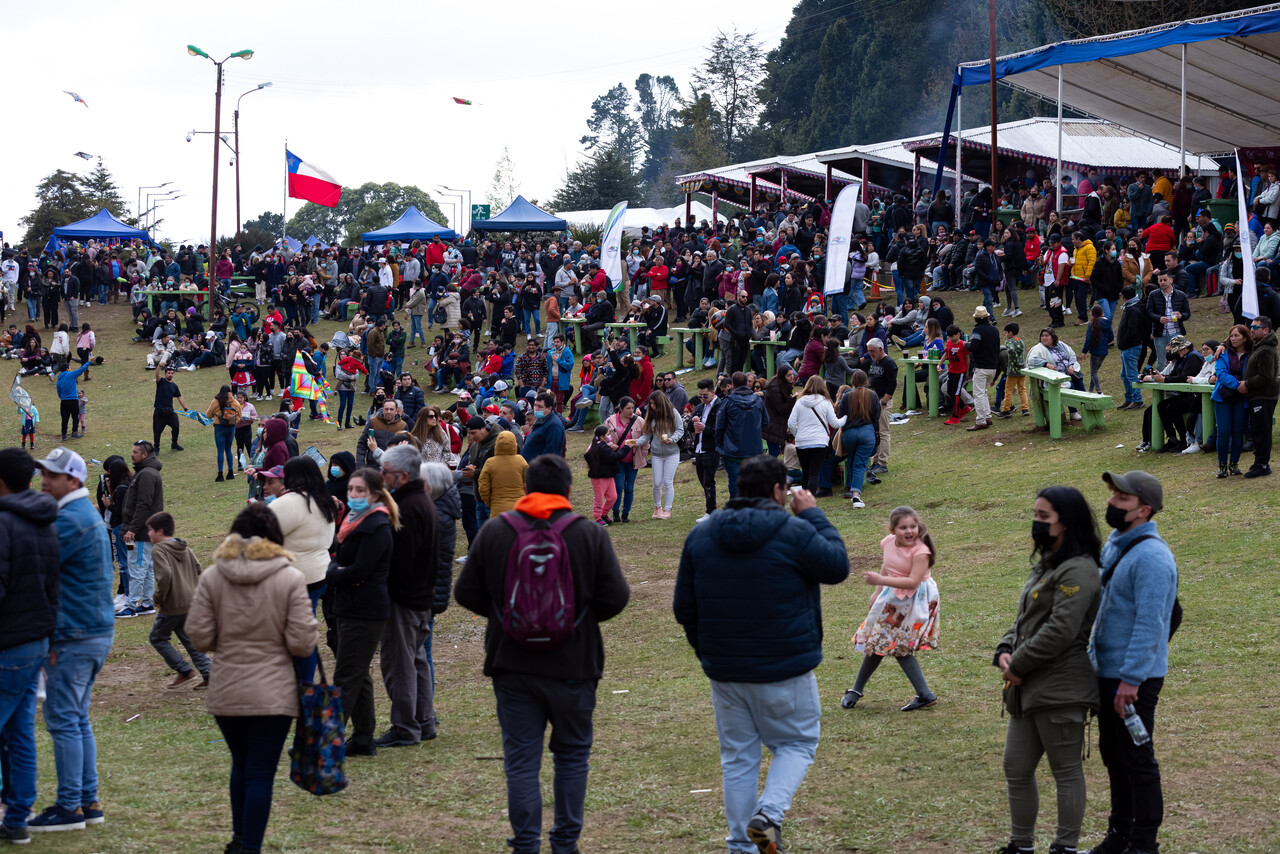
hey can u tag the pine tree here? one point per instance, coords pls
(100, 191)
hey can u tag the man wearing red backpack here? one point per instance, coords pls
(545, 578)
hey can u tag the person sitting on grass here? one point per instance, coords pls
(177, 574)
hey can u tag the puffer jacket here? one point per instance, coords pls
(144, 498)
(501, 483)
(448, 512)
(381, 432)
(1049, 640)
(747, 591)
(778, 403)
(251, 610)
(811, 419)
(29, 567)
(358, 574)
(307, 533)
(740, 424)
(452, 310)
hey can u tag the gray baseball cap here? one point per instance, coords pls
(1139, 483)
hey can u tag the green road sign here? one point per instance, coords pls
(480, 212)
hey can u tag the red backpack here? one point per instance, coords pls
(538, 609)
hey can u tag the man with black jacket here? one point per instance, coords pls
(711, 276)
(1176, 406)
(1168, 309)
(558, 686)
(737, 322)
(29, 577)
(882, 377)
(984, 349)
(987, 273)
(411, 584)
(1262, 388)
(706, 458)
(1134, 331)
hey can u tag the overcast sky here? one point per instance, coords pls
(362, 92)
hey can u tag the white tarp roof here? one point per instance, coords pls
(637, 218)
(1134, 79)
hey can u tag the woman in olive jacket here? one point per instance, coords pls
(1049, 684)
(361, 603)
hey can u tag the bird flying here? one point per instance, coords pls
(76, 98)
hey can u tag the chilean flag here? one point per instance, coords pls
(311, 183)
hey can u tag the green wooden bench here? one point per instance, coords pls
(1093, 407)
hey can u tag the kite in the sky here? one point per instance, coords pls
(76, 97)
(463, 101)
(82, 155)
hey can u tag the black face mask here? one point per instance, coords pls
(1116, 517)
(1041, 537)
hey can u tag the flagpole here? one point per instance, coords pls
(284, 202)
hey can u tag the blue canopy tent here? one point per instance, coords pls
(410, 226)
(314, 242)
(100, 226)
(520, 215)
(1201, 85)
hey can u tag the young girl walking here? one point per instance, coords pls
(602, 469)
(903, 618)
(662, 432)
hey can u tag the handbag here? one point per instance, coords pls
(319, 742)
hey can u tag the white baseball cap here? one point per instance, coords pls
(65, 461)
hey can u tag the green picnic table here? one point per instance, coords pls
(697, 336)
(631, 326)
(576, 323)
(770, 355)
(1158, 392)
(934, 384)
(1047, 401)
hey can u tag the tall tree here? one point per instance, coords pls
(268, 221)
(331, 224)
(60, 200)
(602, 180)
(611, 126)
(834, 90)
(730, 77)
(658, 102)
(1097, 19)
(503, 188)
(100, 191)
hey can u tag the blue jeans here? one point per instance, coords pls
(775, 450)
(911, 288)
(731, 466)
(482, 514)
(346, 404)
(988, 298)
(915, 338)
(783, 716)
(19, 667)
(72, 668)
(33, 309)
(375, 365)
(898, 287)
(1162, 359)
(142, 578)
(255, 742)
(531, 321)
(224, 439)
(1197, 276)
(415, 329)
(1231, 419)
(1129, 373)
(859, 442)
(858, 293)
(315, 308)
(1108, 308)
(305, 666)
(526, 704)
(625, 481)
(122, 556)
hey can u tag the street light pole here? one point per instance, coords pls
(148, 187)
(235, 116)
(217, 134)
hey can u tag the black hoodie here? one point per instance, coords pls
(28, 568)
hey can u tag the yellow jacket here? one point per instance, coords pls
(1164, 187)
(501, 482)
(1082, 260)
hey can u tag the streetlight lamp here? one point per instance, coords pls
(236, 121)
(151, 196)
(466, 219)
(151, 187)
(217, 134)
(159, 202)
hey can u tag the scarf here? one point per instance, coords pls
(353, 521)
(539, 505)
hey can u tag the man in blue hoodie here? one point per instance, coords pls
(28, 611)
(1130, 652)
(739, 428)
(748, 597)
(68, 399)
(81, 641)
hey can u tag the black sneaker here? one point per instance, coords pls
(850, 699)
(1004, 415)
(1059, 848)
(1174, 447)
(93, 813)
(176, 447)
(1016, 849)
(55, 818)
(1112, 843)
(1258, 471)
(219, 478)
(918, 702)
(765, 834)
(14, 835)
(392, 738)
(355, 748)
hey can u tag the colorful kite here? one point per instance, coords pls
(463, 101)
(303, 386)
(83, 155)
(205, 420)
(76, 97)
(21, 396)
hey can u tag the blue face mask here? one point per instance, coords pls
(539, 414)
(269, 499)
(357, 505)
(335, 471)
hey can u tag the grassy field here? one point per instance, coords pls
(883, 781)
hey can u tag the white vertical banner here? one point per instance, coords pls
(1248, 296)
(611, 247)
(840, 233)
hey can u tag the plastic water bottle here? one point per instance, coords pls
(97, 463)
(1137, 729)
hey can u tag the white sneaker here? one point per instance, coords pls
(857, 502)
(1017, 312)
(268, 396)
(1075, 416)
(1004, 313)
(1192, 448)
(704, 517)
(911, 412)
(462, 559)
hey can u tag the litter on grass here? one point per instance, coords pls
(623, 691)
(134, 718)
(699, 791)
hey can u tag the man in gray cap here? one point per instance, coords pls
(1137, 613)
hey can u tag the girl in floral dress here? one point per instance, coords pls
(903, 618)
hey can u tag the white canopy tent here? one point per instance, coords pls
(638, 218)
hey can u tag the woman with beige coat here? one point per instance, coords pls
(251, 610)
